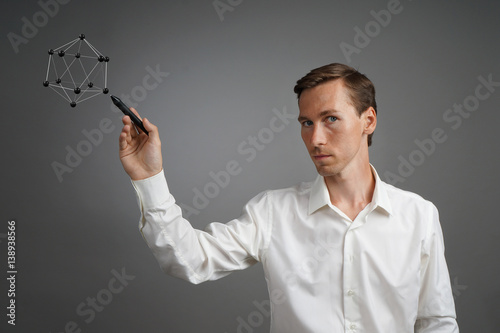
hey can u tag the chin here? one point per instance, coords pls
(331, 169)
(326, 171)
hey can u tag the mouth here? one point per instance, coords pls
(320, 157)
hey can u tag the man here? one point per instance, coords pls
(345, 253)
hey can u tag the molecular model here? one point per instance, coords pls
(77, 71)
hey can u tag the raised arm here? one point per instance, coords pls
(181, 250)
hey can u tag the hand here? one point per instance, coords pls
(140, 154)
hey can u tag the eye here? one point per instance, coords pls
(307, 123)
(332, 119)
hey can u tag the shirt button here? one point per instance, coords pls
(352, 327)
(350, 293)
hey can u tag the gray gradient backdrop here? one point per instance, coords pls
(227, 71)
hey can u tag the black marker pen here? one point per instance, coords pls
(118, 102)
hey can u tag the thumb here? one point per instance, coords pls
(152, 129)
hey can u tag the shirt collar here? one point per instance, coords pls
(320, 197)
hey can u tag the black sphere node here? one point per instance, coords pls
(90, 84)
(58, 81)
(45, 83)
(77, 90)
(105, 91)
(51, 52)
(106, 59)
(61, 53)
(82, 36)
(77, 55)
(100, 58)
(73, 104)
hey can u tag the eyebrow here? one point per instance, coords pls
(321, 114)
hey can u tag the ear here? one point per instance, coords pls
(370, 120)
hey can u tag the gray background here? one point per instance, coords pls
(225, 77)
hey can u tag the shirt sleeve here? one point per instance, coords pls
(436, 309)
(195, 255)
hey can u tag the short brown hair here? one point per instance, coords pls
(360, 89)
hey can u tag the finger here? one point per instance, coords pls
(126, 120)
(138, 129)
(153, 131)
(122, 141)
(131, 127)
(136, 113)
(125, 138)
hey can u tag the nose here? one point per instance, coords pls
(318, 137)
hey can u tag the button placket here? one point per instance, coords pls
(350, 282)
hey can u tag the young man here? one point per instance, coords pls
(345, 253)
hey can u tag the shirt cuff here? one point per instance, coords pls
(152, 191)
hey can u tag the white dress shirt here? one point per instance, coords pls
(384, 272)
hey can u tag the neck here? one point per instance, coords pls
(352, 189)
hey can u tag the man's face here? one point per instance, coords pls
(334, 134)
